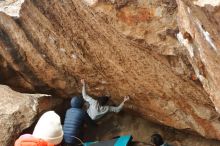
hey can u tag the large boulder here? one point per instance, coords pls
(19, 110)
(168, 66)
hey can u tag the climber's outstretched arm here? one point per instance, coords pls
(86, 97)
(119, 108)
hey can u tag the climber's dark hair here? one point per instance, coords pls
(157, 139)
(102, 100)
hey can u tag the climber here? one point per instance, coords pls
(47, 132)
(157, 140)
(98, 108)
(74, 120)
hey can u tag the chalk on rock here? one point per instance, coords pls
(90, 2)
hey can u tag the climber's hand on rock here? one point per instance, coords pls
(83, 81)
(126, 98)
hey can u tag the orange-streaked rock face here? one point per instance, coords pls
(154, 51)
(135, 16)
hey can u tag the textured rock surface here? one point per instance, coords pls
(121, 48)
(18, 111)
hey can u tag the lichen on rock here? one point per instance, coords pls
(11, 7)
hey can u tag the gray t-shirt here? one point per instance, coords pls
(95, 111)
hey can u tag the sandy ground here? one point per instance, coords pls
(141, 130)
